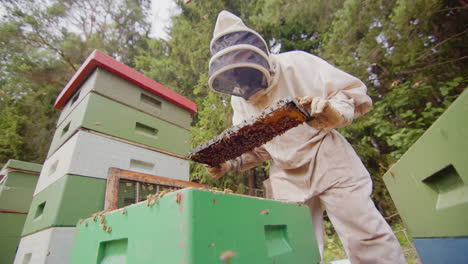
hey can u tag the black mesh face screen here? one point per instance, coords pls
(243, 82)
(237, 38)
(241, 70)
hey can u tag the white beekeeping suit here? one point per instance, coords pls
(311, 163)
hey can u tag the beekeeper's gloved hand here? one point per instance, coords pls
(218, 171)
(323, 113)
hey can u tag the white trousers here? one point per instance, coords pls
(366, 236)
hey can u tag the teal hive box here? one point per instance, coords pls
(429, 184)
(199, 226)
(11, 225)
(115, 87)
(16, 192)
(101, 114)
(17, 185)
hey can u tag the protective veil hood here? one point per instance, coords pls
(239, 62)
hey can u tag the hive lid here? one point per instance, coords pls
(99, 59)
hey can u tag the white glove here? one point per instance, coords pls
(218, 171)
(324, 115)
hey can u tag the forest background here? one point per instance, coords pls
(411, 54)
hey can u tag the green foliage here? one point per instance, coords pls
(10, 124)
(409, 250)
(333, 248)
(412, 69)
(214, 116)
(295, 25)
(411, 55)
(42, 44)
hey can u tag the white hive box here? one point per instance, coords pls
(51, 246)
(89, 154)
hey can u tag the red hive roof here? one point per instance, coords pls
(104, 61)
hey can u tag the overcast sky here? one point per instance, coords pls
(162, 11)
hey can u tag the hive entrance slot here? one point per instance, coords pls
(450, 187)
(150, 101)
(276, 237)
(65, 129)
(53, 168)
(145, 130)
(27, 258)
(113, 252)
(39, 210)
(75, 97)
(141, 166)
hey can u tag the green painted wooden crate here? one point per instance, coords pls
(199, 226)
(11, 225)
(17, 185)
(101, 114)
(429, 184)
(113, 86)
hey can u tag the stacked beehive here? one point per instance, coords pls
(17, 182)
(429, 186)
(112, 116)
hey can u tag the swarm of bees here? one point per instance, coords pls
(102, 220)
(226, 190)
(99, 214)
(152, 199)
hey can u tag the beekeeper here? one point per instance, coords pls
(311, 163)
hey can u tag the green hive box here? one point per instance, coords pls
(113, 86)
(11, 225)
(429, 184)
(64, 202)
(194, 226)
(17, 185)
(69, 199)
(16, 192)
(101, 114)
(22, 165)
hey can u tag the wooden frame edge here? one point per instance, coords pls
(115, 175)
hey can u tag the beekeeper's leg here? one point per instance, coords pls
(365, 234)
(316, 212)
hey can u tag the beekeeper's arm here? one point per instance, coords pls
(346, 98)
(244, 162)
